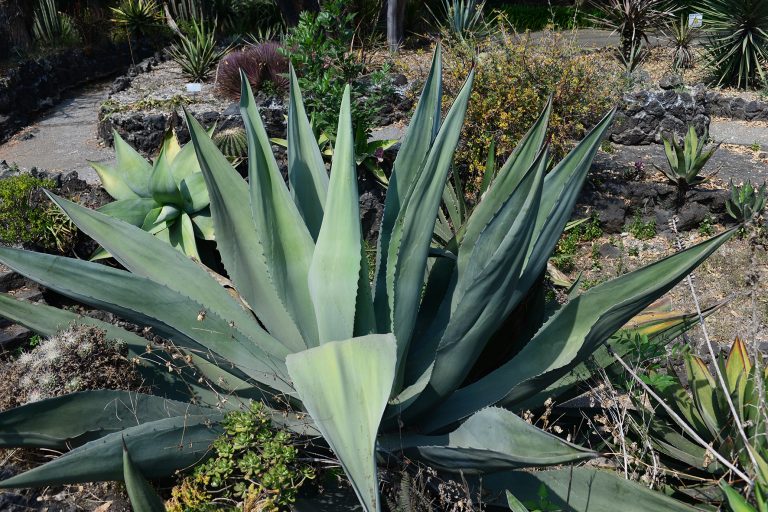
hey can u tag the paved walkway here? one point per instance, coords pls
(64, 138)
(740, 132)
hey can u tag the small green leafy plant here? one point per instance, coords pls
(167, 198)
(685, 161)
(28, 218)
(706, 227)
(253, 463)
(196, 52)
(642, 230)
(746, 201)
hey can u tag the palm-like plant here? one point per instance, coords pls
(137, 17)
(421, 361)
(738, 40)
(197, 53)
(633, 20)
(682, 36)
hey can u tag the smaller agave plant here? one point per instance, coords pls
(167, 197)
(704, 408)
(746, 201)
(686, 161)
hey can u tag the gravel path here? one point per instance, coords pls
(64, 138)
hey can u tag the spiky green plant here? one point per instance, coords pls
(196, 52)
(461, 19)
(682, 36)
(746, 201)
(738, 41)
(53, 28)
(419, 362)
(137, 17)
(704, 408)
(167, 198)
(685, 161)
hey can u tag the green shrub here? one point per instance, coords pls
(539, 17)
(746, 202)
(30, 219)
(513, 83)
(253, 463)
(319, 48)
(642, 230)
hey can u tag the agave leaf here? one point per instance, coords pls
(411, 235)
(491, 440)
(72, 420)
(572, 334)
(132, 211)
(182, 236)
(238, 242)
(488, 268)
(335, 271)
(142, 496)
(162, 185)
(514, 504)
(185, 164)
(139, 299)
(581, 490)
(306, 170)
(288, 246)
(130, 179)
(159, 449)
(417, 142)
(344, 385)
(736, 501)
(703, 388)
(203, 224)
(194, 193)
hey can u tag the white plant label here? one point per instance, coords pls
(695, 20)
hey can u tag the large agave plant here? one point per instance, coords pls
(429, 360)
(167, 198)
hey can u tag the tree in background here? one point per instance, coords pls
(395, 23)
(291, 9)
(15, 20)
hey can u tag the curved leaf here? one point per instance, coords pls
(344, 385)
(132, 211)
(142, 496)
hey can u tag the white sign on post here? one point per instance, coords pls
(695, 20)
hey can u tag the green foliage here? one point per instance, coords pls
(739, 503)
(53, 28)
(682, 36)
(633, 20)
(513, 82)
(706, 228)
(746, 201)
(137, 17)
(167, 198)
(196, 52)
(585, 231)
(382, 368)
(253, 462)
(642, 230)
(319, 48)
(539, 17)
(685, 161)
(460, 19)
(704, 408)
(27, 218)
(738, 41)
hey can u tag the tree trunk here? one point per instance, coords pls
(395, 23)
(291, 9)
(15, 20)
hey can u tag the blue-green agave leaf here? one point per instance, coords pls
(142, 496)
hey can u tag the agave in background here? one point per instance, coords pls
(429, 360)
(167, 198)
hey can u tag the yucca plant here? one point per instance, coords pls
(682, 36)
(167, 198)
(197, 53)
(380, 367)
(137, 17)
(746, 201)
(51, 27)
(738, 41)
(704, 408)
(685, 161)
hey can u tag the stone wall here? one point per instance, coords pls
(734, 107)
(37, 84)
(643, 116)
